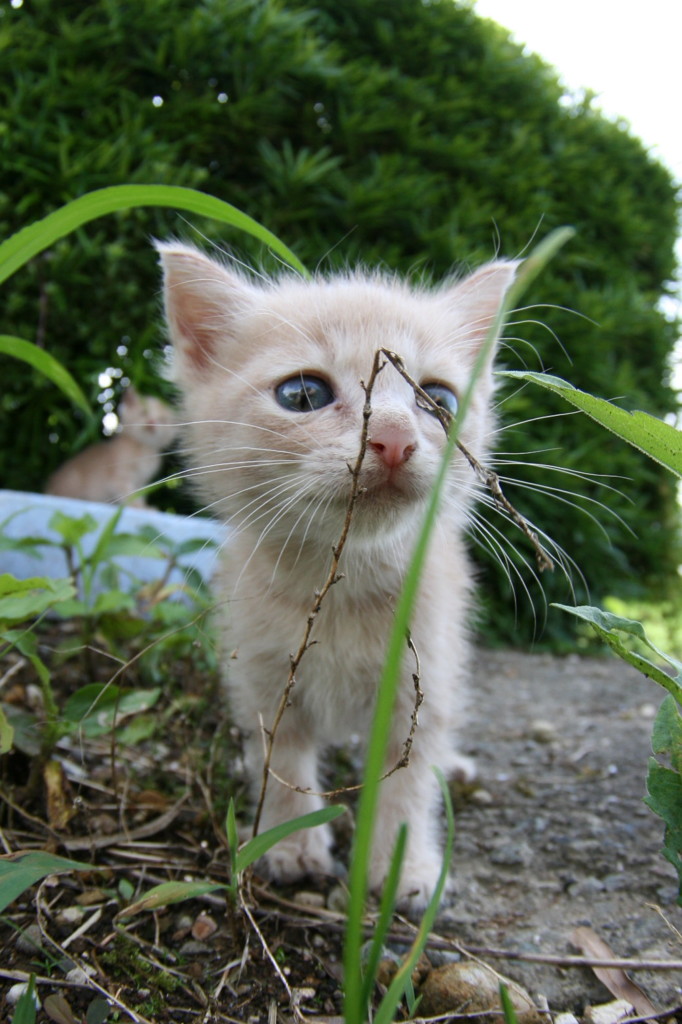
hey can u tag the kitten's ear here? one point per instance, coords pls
(202, 301)
(477, 299)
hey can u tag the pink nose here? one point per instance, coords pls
(392, 449)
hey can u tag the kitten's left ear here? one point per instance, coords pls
(203, 302)
(477, 299)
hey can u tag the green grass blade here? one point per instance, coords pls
(385, 914)
(655, 438)
(388, 686)
(171, 892)
(507, 1005)
(41, 360)
(19, 871)
(25, 1011)
(34, 238)
(232, 837)
(614, 630)
(403, 977)
(261, 843)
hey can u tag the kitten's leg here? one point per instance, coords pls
(294, 759)
(411, 795)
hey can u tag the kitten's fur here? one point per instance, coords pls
(113, 470)
(281, 479)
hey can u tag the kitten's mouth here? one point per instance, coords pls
(390, 484)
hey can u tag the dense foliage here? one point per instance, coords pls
(401, 132)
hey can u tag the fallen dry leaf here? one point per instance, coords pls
(59, 806)
(203, 927)
(615, 979)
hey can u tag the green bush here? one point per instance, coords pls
(396, 131)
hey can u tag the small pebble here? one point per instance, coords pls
(194, 948)
(608, 1013)
(542, 731)
(30, 939)
(512, 855)
(70, 916)
(309, 899)
(338, 899)
(15, 992)
(80, 975)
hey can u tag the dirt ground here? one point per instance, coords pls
(559, 836)
(553, 835)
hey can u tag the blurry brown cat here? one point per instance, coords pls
(114, 470)
(270, 376)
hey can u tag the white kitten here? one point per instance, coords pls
(270, 376)
(114, 470)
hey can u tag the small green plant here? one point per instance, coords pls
(628, 637)
(241, 857)
(112, 610)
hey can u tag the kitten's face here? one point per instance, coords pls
(149, 420)
(271, 378)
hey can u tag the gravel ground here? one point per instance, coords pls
(557, 835)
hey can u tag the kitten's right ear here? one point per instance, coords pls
(203, 302)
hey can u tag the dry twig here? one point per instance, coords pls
(333, 577)
(487, 477)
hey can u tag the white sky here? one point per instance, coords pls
(626, 53)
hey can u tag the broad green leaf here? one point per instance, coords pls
(111, 601)
(614, 630)
(142, 727)
(99, 552)
(26, 599)
(41, 360)
(98, 707)
(667, 734)
(72, 609)
(6, 733)
(131, 545)
(27, 243)
(264, 841)
(89, 700)
(26, 729)
(170, 892)
(26, 643)
(19, 871)
(72, 529)
(657, 439)
(188, 547)
(664, 786)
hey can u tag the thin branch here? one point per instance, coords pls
(488, 477)
(333, 577)
(266, 948)
(403, 760)
(335, 921)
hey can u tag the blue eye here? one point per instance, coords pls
(443, 397)
(304, 393)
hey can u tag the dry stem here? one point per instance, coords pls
(332, 578)
(488, 477)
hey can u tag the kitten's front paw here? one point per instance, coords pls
(463, 768)
(303, 853)
(418, 880)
